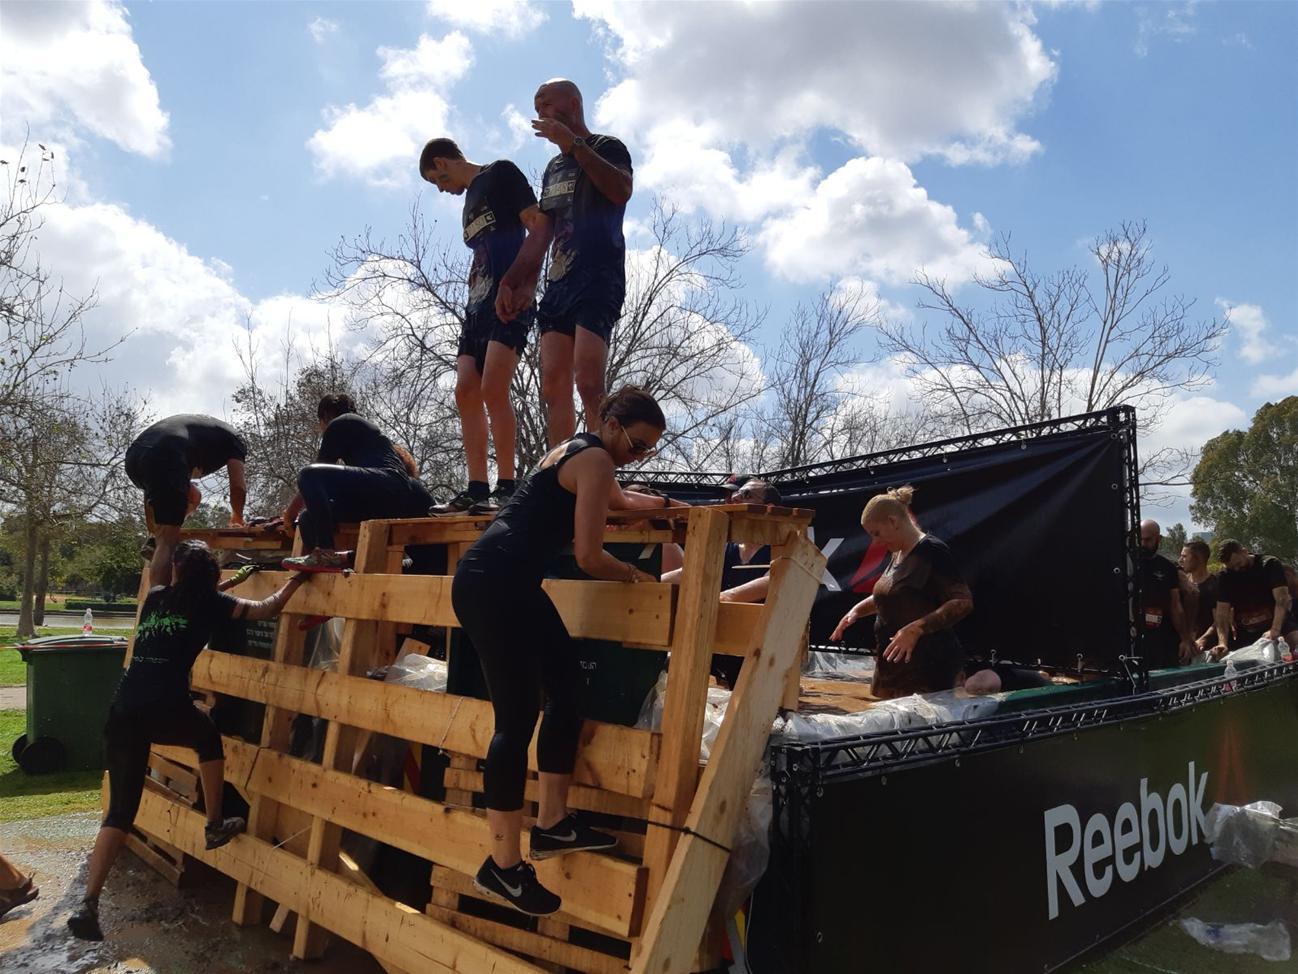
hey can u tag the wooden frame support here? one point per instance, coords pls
(679, 914)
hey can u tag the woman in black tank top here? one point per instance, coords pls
(523, 646)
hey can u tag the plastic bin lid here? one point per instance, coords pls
(56, 643)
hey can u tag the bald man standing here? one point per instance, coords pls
(1165, 635)
(584, 193)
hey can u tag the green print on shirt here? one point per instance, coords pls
(161, 623)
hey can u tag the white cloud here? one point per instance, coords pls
(321, 28)
(1175, 22)
(512, 18)
(380, 142)
(77, 64)
(1249, 326)
(870, 217)
(902, 80)
(1265, 386)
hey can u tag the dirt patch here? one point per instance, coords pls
(13, 698)
(151, 927)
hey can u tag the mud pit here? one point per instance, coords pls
(149, 926)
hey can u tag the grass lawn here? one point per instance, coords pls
(13, 671)
(25, 796)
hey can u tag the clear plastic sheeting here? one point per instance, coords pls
(1252, 834)
(751, 850)
(1269, 941)
(842, 667)
(651, 713)
(1264, 652)
(327, 641)
(420, 672)
(887, 716)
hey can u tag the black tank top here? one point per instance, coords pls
(534, 526)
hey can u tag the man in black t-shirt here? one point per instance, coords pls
(1253, 600)
(161, 462)
(1199, 592)
(1165, 636)
(359, 475)
(500, 210)
(584, 193)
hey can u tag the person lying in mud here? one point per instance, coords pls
(152, 706)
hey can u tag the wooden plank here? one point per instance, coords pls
(163, 866)
(359, 644)
(276, 730)
(613, 757)
(580, 797)
(597, 890)
(350, 870)
(590, 610)
(687, 686)
(680, 913)
(536, 945)
(280, 920)
(387, 929)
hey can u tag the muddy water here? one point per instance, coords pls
(150, 927)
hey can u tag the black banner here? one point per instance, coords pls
(1039, 528)
(1020, 858)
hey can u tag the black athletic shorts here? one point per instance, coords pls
(482, 326)
(592, 301)
(163, 475)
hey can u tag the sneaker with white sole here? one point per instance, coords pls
(568, 835)
(517, 886)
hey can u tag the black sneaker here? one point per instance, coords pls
(461, 503)
(499, 497)
(517, 886)
(569, 835)
(219, 833)
(84, 923)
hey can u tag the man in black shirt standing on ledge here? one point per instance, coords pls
(1253, 598)
(1165, 634)
(499, 211)
(162, 461)
(584, 193)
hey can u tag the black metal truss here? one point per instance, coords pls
(804, 767)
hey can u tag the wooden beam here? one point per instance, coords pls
(350, 870)
(687, 686)
(359, 643)
(680, 913)
(579, 796)
(387, 929)
(598, 890)
(617, 758)
(590, 610)
(276, 730)
(535, 945)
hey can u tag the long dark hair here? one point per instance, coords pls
(196, 576)
(632, 404)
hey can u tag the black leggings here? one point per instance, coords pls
(128, 736)
(524, 649)
(334, 494)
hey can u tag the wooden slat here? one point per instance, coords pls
(617, 758)
(600, 891)
(590, 610)
(534, 945)
(687, 686)
(359, 644)
(276, 730)
(387, 929)
(154, 859)
(680, 913)
(579, 796)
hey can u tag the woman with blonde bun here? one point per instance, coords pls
(916, 602)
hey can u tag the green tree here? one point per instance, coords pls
(1246, 483)
(1173, 541)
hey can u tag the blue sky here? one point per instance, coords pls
(213, 152)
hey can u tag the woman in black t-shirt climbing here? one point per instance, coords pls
(523, 645)
(152, 706)
(917, 600)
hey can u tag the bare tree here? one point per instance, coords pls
(683, 334)
(1075, 341)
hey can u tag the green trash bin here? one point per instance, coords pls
(70, 683)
